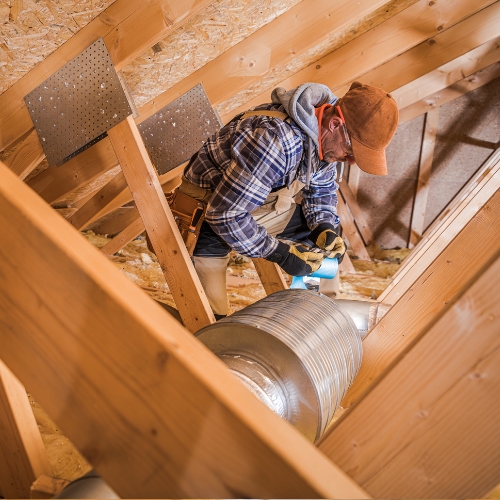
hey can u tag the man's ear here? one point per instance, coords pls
(334, 123)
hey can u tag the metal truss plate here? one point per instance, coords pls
(77, 105)
(177, 131)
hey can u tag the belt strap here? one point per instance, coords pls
(266, 112)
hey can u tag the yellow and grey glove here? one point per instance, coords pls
(325, 237)
(296, 260)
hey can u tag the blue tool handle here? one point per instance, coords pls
(328, 270)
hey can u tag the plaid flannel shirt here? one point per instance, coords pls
(246, 160)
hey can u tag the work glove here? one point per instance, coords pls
(296, 260)
(325, 237)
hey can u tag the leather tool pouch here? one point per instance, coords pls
(189, 214)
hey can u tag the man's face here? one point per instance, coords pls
(333, 143)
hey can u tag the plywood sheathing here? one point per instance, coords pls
(281, 73)
(219, 27)
(30, 30)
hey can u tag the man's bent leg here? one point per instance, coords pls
(210, 258)
(212, 274)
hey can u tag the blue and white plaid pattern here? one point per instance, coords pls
(247, 159)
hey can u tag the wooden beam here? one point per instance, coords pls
(121, 240)
(357, 212)
(27, 156)
(128, 29)
(99, 202)
(118, 223)
(458, 89)
(287, 37)
(170, 250)
(351, 232)
(346, 265)
(430, 247)
(57, 182)
(459, 68)
(401, 49)
(429, 294)
(424, 177)
(433, 418)
(270, 276)
(22, 454)
(155, 413)
(353, 182)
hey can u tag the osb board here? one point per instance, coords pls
(30, 30)
(199, 41)
(281, 73)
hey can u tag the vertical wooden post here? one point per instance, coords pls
(357, 213)
(174, 260)
(22, 455)
(351, 231)
(270, 276)
(424, 175)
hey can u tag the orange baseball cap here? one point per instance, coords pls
(371, 116)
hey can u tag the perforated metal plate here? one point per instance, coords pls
(74, 107)
(178, 130)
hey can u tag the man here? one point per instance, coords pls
(251, 172)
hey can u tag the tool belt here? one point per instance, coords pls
(189, 214)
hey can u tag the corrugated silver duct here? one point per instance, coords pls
(296, 350)
(91, 485)
(365, 314)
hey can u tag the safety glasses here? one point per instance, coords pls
(346, 141)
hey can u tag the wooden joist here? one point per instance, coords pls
(128, 29)
(27, 156)
(429, 427)
(118, 223)
(453, 71)
(133, 230)
(99, 202)
(458, 89)
(482, 187)
(424, 177)
(403, 41)
(22, 454)
(55, 183)
(432, 289)
(155, 413)
(158, 220)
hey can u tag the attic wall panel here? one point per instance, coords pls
(387, 201)
(466, 126)
(468, 129)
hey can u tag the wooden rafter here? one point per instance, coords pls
(432, 289)
(433, 429)
(458, 89)
(398, 41)
(288, 36)
(86, 338)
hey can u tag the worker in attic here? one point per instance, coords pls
(270, 175)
